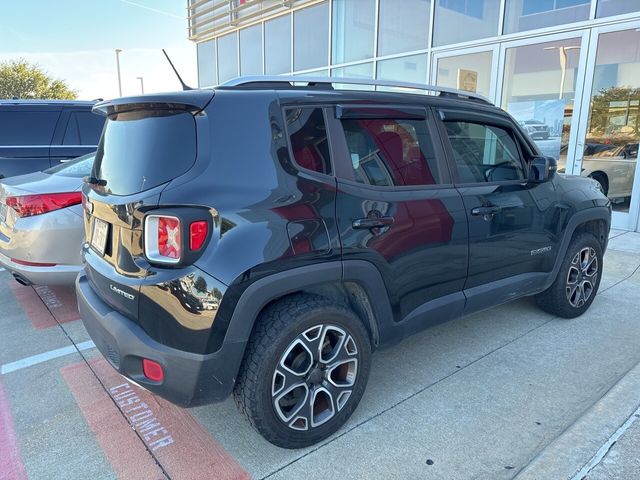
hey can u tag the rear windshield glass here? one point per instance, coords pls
(78, 167)
(143, 149)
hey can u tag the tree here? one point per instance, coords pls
(21, 79)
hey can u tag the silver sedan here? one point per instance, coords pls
(41, 229)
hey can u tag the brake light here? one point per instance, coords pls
(163, 242)
(198, 232)
(29, 205)
(171, 239)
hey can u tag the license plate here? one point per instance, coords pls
(3, 212)
(99, 236)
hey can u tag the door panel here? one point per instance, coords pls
(510, 221)
(397, 210)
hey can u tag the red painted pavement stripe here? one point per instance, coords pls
(46, 306)
(61, 302)
(32, 305)
(11, 467)
(122, 447)
(182, 446)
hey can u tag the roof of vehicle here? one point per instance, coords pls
(49, 102)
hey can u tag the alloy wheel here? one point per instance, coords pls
(582, 277)
(315, 377)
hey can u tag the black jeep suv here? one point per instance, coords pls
(38, 134)
(263, 238)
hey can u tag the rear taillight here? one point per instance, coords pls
(198, 232)
(169, 239)
(163, 242)
(29, 205)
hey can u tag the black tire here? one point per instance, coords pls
(563, 298)
(602, 179)
(285, 326)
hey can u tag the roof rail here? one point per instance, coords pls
(275, 81)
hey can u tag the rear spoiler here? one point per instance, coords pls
(193, 101)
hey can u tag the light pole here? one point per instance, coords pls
(562, 51)
(141, 84)
(118, 50)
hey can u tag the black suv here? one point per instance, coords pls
(263, 238)
(38, 134)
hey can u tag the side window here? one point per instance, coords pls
(308, 136)
(386, 152)
(27, 128)
(71, 134)
(90, 127)
(484, 153)
(84, 128)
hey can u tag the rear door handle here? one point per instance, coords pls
(486, 210)
(372, 222)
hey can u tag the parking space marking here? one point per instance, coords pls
(124, 451)
(46, 306)
(11, 466)
(43, 357)
(183, 447)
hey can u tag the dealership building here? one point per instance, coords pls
(567, 70)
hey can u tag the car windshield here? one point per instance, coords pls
(78, 167)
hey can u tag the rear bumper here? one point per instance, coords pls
(189, 378)
(56, 275)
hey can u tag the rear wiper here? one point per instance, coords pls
(95, 181)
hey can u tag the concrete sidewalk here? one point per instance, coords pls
(604, 443)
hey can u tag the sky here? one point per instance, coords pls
(75, 40)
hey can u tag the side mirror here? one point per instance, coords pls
(542, 169)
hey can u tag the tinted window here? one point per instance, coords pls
(207, 64)
(84, 128)
(308, 135)
(388, 152)
(78, 167)
(484, 153)
(140, 150)
(27, 128)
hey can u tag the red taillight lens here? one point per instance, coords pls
(152, 370)
(29, 205)
(169, 241)
(162, 238)
(198, 232)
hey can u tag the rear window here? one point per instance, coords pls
(143, 149)
(77, 168)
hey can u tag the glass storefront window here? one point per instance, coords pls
(406, 69)
(470, 72)
(522, 15)
(311, 37)
(277, 45)
(352, 30)
(403, 28)
(227, 57)
(207, 64)
(463, 20)
(607, 8)
(613, 131)
(363, 70)
(539, 92)
(251, 50)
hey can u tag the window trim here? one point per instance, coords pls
(292, 157)
(344, 171)
(483, 118)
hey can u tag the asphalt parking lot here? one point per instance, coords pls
(493, 395)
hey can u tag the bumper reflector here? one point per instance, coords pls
(152, 370)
